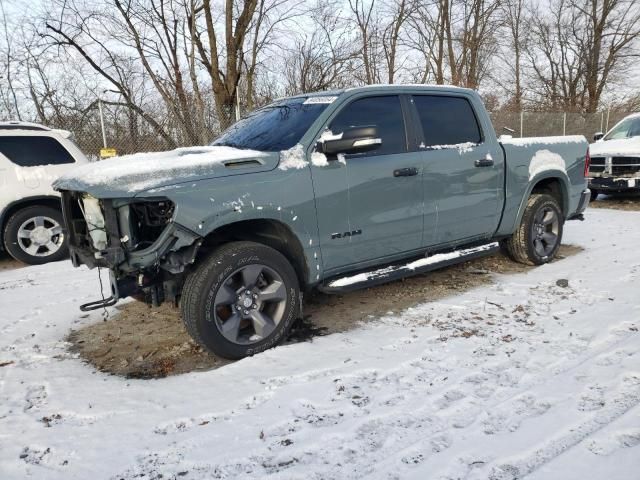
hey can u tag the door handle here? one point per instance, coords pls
(405, 172)
(484, 162)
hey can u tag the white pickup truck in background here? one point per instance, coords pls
(32, 156)
(615, 158)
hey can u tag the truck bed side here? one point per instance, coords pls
(532, 162)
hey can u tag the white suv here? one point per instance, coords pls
(31, 157)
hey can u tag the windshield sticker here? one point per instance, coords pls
(312, 100)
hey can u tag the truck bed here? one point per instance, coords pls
(532, 159)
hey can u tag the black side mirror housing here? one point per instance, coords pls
(353, 140)
(598, 136)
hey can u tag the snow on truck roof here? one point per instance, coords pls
(378, 86)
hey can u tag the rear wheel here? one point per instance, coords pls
(34, 235)
(538, 237)
(241, 300)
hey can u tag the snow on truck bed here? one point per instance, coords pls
(526, 378)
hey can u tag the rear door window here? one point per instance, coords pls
(384, 112)
(447, 120)
(34, 151)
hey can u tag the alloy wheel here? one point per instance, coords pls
(250, 303)
(40, 236)
(546, 225)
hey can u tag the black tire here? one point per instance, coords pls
(594, 195)
(202, 288)
(17, 247)
(522, 245)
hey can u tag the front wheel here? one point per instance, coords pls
(34, 235)
(538, 237)
(241, 300)
(594, 194)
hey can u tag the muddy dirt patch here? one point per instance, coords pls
(143, 342)
(622, 201)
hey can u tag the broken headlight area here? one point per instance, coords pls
(127, 235)
(136, 239)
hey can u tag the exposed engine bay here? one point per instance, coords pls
(136, 239)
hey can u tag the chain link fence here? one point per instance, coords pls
(129, 133)
(541, 124)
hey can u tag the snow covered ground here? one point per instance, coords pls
(527, 378)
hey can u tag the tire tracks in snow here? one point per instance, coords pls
(626, 398)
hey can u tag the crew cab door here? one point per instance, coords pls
(463, 170)
(369, 204)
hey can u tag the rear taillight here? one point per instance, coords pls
(587, 163)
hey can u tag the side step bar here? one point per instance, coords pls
(398, 271)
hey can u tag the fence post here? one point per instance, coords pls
(104, 135)
(564, 123)
(521, 122)
(601, 121)
(237, 107)
(606, 129)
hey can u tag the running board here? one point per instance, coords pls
(399, 271)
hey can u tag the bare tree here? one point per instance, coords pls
(476, 41)
(369, 38)
(398, 15)
(430, 37)
(8, 95)
(323, 58)
(607, 32)
(555, 59)
(224, 62)
(514, 15)
(580, 47)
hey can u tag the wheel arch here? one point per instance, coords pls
(270, 232)
(551, 183)
(13, 207)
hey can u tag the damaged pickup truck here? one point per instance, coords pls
(615, 162)
(332, 191)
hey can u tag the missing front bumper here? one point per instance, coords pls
(614, 184)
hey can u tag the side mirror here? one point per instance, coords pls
(353, 140)
(598, 136)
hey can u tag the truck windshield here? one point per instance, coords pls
(627, 128)
(278, 126)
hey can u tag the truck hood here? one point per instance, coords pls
(620, 147)
(128, 175)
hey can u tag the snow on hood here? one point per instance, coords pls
(622, 147)
(142, 171)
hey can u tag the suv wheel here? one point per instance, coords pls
(537, 239)
(34, 235)
(240, 300)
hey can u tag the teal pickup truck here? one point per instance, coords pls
(334, 191)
